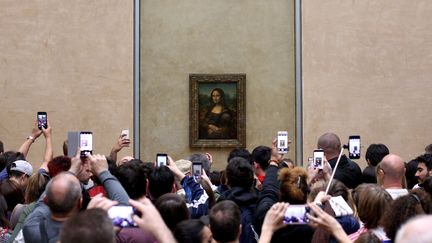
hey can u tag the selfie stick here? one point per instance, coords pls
(334, 171)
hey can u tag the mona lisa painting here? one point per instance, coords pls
(217, 110)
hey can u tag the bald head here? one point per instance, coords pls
(63, 194)
(330, 143)
(416, 230)
(393, 168)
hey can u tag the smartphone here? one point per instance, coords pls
(282, 142)
(42, 120)
(354, 147)
(296, 214)
(161, 160)
(318, 158)
(197, 169)
(86, 143)
(121, 216)
(125, 134)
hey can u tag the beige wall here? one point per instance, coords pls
(72, 59)
(204, 36)
(367, 71)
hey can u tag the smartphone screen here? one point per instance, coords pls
(296, 214)
(121, 216)
(86, 143)
(318, 158)
(42, 120)
(125, 134)
(282, 142)
(197, 169)
(354, 147)
(161, 160)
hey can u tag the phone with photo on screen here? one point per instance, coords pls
(121, 216)
(354, 146)
(86, 143)
(296, 214)
(197, 170)
(282, 142)
(318, 159)
(161, 160)
(42, 120)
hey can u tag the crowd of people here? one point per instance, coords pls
(258, 197)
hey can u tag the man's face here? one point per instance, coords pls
(84, 173)
(422, 172)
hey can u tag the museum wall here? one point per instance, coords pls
(367, 71)
(215, 37)
(72, 59)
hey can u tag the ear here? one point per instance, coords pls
(80, 203)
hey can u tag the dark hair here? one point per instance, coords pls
(215, 177)
(427, 185)
(12, 193)
(63, 204)
(239, 173)
(36, 186)
(173, 209)
(189, 231)
(240, 152)
(58, 164)
(410, 171)
(4, 222)
(225, 221)
(428, 149)
(7, 158)
(404, 208)
(293, 185)
(368, 237)
(375, 153)
(425, 159)
(222, 96)
(262, 155)
(161, 181)
(1, 147)
(203, 159)
(81, 228)
(132, 176)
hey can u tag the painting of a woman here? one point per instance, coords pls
(217, 120)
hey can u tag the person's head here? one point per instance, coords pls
(240, 152)
(20, 172)
(331, 144)
(161, 181)
(173, 209)
(225, 221)
(391, 171)
(410, 171)
(81, 228)
(63, 195)
(416, 229)
(372, 202)
(36, 186)
(239, 173)
(217, 96)
(124, 160)
(368, 237)
(261, 156)
(375, 153)
(203, 158)
(424, 167)
(293, 185)
(12, 193)
(184, 166)
(215, 177)
(58, 164)
(4, 222)
(286, 162)
(133, 178)
(417, 202)
(1, 147)
(192, 231)
(8, 157)
(428, 149)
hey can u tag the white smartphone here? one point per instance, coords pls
(161, 160)
(354, 147)
(197, 170)
(282, 142)
(318, 158)
(86, 143)
(125, 134)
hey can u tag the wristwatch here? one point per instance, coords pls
(31, 138)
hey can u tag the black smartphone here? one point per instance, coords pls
(354, 147)
(42, 120)
(296, 214)
(197, 169)
(318, 159)
(121, 216)
(161, 160)
(86, 143)
(282, 142)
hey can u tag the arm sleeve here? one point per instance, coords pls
(114, 189)
(197, 201)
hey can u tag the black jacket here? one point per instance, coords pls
(347, 172)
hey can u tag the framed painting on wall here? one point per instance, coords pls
(217, 110)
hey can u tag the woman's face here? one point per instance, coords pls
(206, 235)
(216, 96)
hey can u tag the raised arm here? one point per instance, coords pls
(121, 142)
(48, 147)
(35, 133)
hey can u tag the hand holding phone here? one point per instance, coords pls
(318, 159)
(121, 216)
(125, 134)
(282, 142)
(86, 143)
(296, 214)
(197, 170)
(42, 120)
(161, 160)
(354, 147)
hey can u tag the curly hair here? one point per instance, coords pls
(293, 185)
(403, 208)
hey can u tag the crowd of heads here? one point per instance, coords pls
(73, 197)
